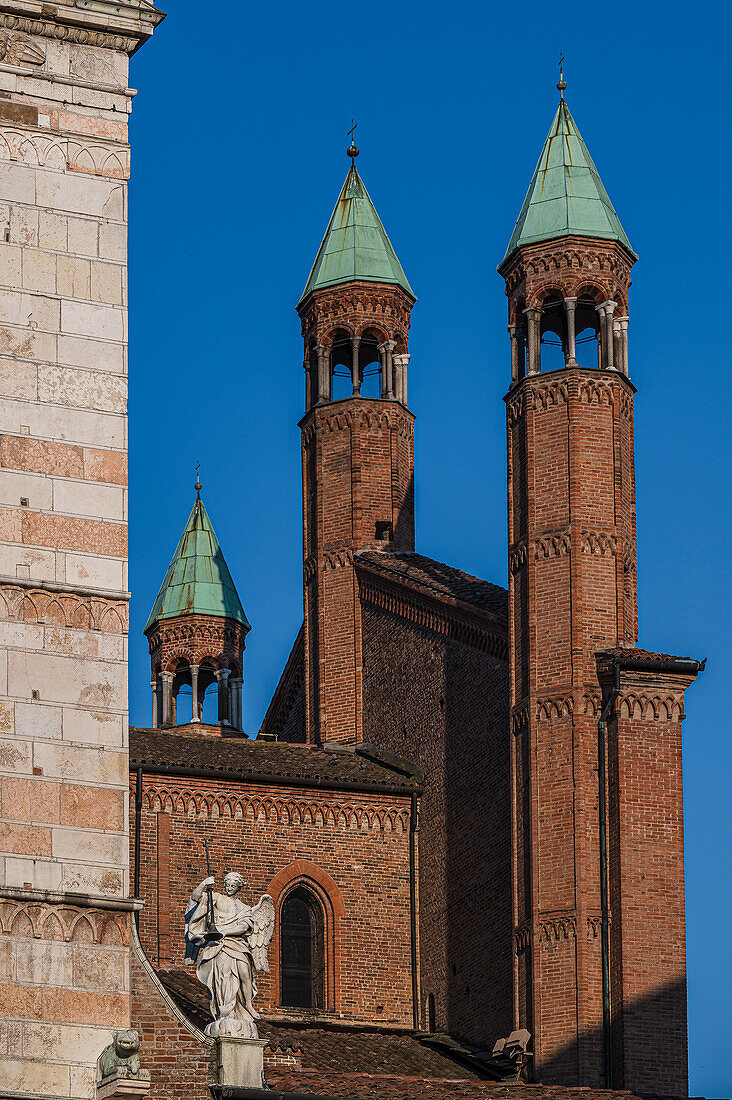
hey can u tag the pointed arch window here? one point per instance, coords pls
(302, 954)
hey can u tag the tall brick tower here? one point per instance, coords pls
(357, 449)
(596, 742)
(65, 907)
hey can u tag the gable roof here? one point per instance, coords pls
(355, 246)
(438, 578)
(198, 581)
(566, 196)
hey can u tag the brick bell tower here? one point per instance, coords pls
(599, 959)
(357, 445)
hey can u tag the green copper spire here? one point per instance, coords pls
(566, 196)
(198, 581)
(355, 245)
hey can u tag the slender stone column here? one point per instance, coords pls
(155, 715)
(168, 711)
(308, 384)
(570, 305)
(355, 372)
(323, 374)
(605, 311)
(222, 677)
(387, 371)
(533, 319)
(513, 334)
(400, 376)
(195, 716)
(235, 696)
(621, 357)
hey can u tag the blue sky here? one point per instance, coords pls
(239, 137)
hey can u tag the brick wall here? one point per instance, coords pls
(358, 464)
(351, 850)
(444, 704)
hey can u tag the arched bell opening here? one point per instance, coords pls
(208, 694)
(182, 708)
(370, 366)
(588, 325)
(553, 333)
(302, 950)
(341, 366)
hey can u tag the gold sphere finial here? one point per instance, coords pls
(198, 485)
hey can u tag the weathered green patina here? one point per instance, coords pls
(198, 581)
(355, 246)
(566, 196)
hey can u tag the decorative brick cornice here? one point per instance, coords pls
(556, 929)
(356, 307)
(517, 556)
(520, 717)
(598, 542)
(553, 546)
(554, 706)
(431, 615)
(221, 803)
(656, 708)
(66, 609)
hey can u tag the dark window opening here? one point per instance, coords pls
(302, 962)
(384, 530)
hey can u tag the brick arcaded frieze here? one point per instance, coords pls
(220, 802)
(63, 608)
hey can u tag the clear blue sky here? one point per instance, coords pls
(239, 137)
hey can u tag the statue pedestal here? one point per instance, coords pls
(237, 1063)
(119, 1086)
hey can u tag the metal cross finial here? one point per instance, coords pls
(352, 150)
(198, 485)
(562, 84)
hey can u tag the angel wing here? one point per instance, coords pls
(262, 916)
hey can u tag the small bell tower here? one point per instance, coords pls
(197, 634)
(357, 444)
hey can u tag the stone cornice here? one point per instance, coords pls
(121, 26)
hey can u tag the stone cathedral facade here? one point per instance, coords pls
(466, 802)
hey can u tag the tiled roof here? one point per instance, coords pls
(641, 655)
(330, 1048)
(368, 1086)
(254, 760)
(371, 1063)
(438, 578)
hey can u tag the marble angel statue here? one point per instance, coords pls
(228, 941)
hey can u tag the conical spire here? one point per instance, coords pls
(355, 245)
(566, 196)
(198, 581)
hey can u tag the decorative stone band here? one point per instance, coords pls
(97, 157)
(71, 917)
(466, 627)
(91, 536)
(63, 607)
(219, 802)
(99, 31)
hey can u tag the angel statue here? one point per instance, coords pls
(228, 941)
